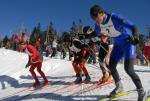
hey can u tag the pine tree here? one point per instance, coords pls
(148, 31)
(36, 34)
(80, 26)
(6, 39)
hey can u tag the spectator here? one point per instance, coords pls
(54, 48)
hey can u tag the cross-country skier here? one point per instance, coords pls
(104, 56)
(34, 62)
(105, 43)
(80, 56)
(86, 38)
(126, 36)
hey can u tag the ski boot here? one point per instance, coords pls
(78, 80)
(103, 79)
(36, 84)
(106, 78)
(45, 83)
(141, 94)
(110, 78)
(87, 79)
(118, 89)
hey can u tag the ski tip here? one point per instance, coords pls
(105, 99)
(148, 99)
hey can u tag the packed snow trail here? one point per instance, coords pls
(14, 78)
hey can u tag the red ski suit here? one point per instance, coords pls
(36, 62)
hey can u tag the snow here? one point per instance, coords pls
(14, 77)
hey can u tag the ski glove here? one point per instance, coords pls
(95, 39)
(28, 64)
(133, 40)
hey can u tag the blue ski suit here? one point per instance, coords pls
(120, 29)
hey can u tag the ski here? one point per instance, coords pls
(71, 86)
(120, 94)
(35, 90)
(123, 93)
(92, 87)
(64, 87)
(31, 90)
(17, 92)
(148, 99)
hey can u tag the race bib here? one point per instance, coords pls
(109, 29)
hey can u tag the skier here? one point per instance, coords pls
(88, 34)
(104, 56)
(80, 56)
(54, 47)
(104, 50)
(126, 36)
(35, 61)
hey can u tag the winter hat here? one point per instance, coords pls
(86, 28)
(95, 9)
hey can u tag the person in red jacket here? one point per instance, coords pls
(35, 61)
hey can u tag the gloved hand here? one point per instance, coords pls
(85, 41)
(99, 42)
(28, 64)
(133, 40)
(95, 39)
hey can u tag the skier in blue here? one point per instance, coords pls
(126, 36)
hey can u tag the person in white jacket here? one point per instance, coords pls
(54, 48)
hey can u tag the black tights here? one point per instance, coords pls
(129, 68)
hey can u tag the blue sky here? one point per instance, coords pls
(63, 12)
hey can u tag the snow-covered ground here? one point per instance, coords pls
(15, 80)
